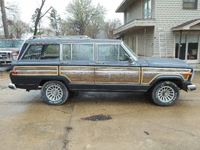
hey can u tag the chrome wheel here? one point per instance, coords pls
(166, 94)
(54, 93)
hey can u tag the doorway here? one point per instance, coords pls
(189, 49)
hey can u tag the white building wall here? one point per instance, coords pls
(168, 14)
(136, 11)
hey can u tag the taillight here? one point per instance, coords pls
(14, 72)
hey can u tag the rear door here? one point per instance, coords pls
(77, 65)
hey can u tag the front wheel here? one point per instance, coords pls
(165, 93)
(55, 93)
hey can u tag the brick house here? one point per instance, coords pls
(162, 28)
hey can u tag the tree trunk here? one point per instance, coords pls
(4, 19)
(38, 19)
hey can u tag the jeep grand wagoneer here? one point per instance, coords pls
(60, 65)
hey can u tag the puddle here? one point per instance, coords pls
(100, 117)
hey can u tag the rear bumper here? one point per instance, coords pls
(12, 86)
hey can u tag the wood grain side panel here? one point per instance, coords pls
(150, 74)
(117, 75)
(78, 74)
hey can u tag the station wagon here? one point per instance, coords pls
(60, 65)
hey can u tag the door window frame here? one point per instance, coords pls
(119, 44)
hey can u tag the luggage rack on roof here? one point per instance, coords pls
(61, 37)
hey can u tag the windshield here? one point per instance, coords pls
(11, 43)
(131, 51)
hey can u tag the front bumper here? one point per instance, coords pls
(12, 86)
(191, 87)
(188, 86)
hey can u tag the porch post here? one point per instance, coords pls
(179, 48)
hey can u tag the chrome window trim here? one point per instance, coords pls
(25, 51)
(61, 51)
(130, 54)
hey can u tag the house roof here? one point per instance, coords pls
(124, 5)
(189, 25)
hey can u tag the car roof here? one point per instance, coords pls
(68, 40)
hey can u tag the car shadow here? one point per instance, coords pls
(115, 97)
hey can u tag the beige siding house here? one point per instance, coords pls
(162, 28)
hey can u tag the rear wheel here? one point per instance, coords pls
(55, 93)
(165, 93)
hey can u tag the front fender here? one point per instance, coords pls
(171, 78)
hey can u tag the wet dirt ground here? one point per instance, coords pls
(136, 123)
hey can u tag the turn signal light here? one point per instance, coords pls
(14, 72)
(188, 73)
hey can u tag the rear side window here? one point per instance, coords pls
(42, 52)
(83, 52)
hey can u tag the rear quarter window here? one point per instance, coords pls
(42, 52)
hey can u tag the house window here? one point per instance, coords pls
(147, 9)
(189, 4)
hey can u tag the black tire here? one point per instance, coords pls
(165, 93)
(54, 93)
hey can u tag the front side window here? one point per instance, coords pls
(110, 52)
(147, 9)
(83, 52)
(42, 52)
(189, 4)
(107, 52)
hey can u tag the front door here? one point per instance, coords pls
(113, 67)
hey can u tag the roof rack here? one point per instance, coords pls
(61, 37)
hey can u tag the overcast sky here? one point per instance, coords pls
(28, 7)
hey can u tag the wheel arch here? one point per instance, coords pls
(175, 79)
(60, 78)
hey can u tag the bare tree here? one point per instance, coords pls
(4, 19)
(82, 14)
(17, 28)
(39, 17)
(110, 26)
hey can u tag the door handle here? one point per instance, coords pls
(64, 62)
(100, 62)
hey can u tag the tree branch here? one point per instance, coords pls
(46, 12)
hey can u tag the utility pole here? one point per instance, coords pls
(4, 19)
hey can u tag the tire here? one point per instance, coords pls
(165, 93)
(54, 93)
